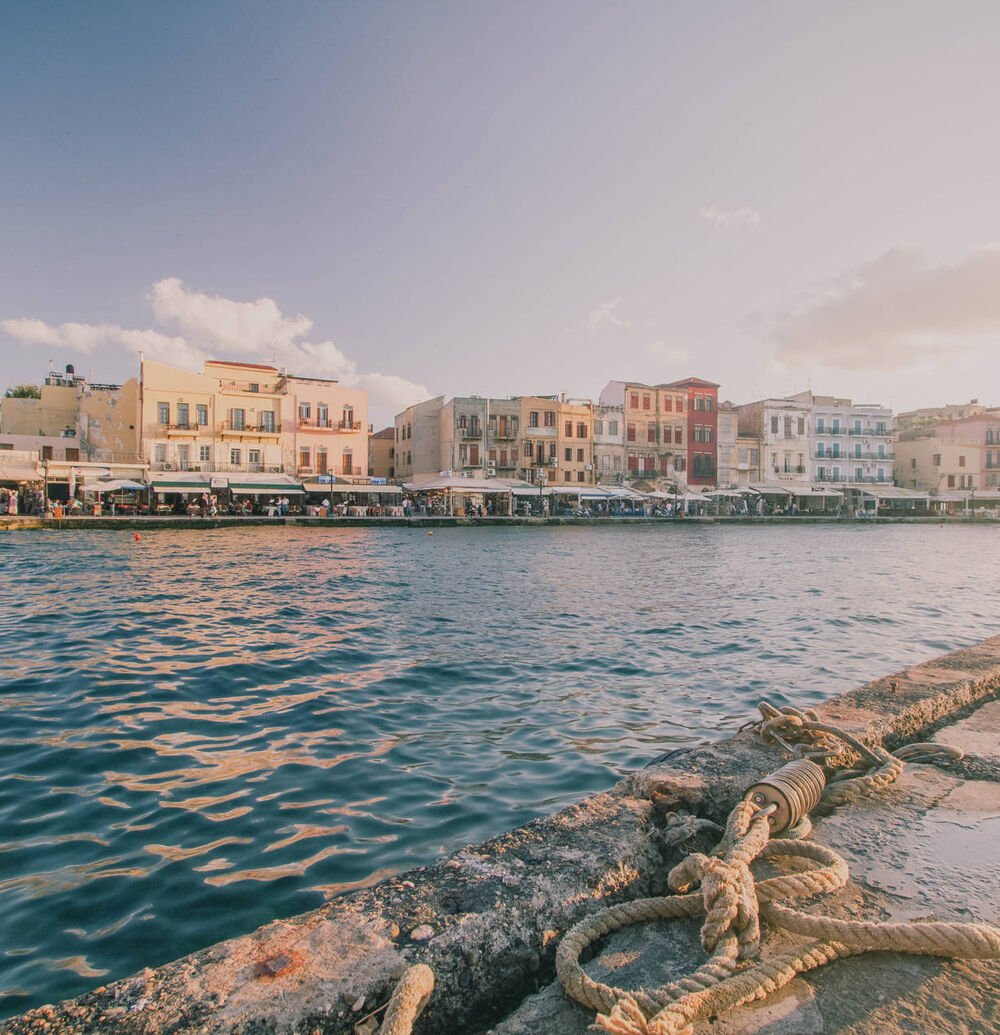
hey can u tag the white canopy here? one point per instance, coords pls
(449, 483)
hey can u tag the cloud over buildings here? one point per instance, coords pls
(725, 218)
(894, 312)
(205, 326)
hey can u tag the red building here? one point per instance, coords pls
(703, 429)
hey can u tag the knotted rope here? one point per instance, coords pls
(734, 904)
(408, 1000)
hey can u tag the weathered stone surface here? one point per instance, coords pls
(496, 910)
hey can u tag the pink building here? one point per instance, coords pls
(327, 428)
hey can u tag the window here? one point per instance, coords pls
(567, 475)
(579, 476)
(347, 462)
(552, 450)
(182, 415)
(802, 425)
(159, 453)
(961, 461)
(204, 454)
(253, 457)
(709, 403)
(788, 427)
(774, 425)
(937, 459)
(235, 457)
(820, 425)
(650, 432)
(820, 449)
(630, 433)
(699, 404)
(605, 462)
(581, 430)
(253, 388)
(201, 415)
(305, 411)
(612, 427)
(347, 420)
(857, 426)
(527, 450)
(668, 404)
(322, 415)
(569, 429)
(463, 422)
(598, 427)
(858, 474)
(697, 433)
(550, 418)
(568, 454)
(238, 419)
(645, 400)
(708, 433)
(163, 413)
(533, 419)
(678, 435)
(579, 456)
(857, 450)
(267, 420)
(951, 481)
(680, 409)
(183, 457)
(304, 458)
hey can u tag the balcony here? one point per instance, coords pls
(249, 388)
(349, 425)
(504, 435)
(231, 430)
(183, 430)
(473, 433)
(314, 424)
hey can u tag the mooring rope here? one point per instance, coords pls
(734, 903)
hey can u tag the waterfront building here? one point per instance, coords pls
(609, 444)
(75, 419)
(324, 428)
(738, 455)
(574, 442)
(503, 427)
(960, 456)
(849, 443)
(912, 420)
(702, 429)
(538, 443)
(418, 439)
(782, 428)
(655, 441)
(381, 454)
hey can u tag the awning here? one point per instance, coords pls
(19, 473)
(264, 488)
(343, 490)
(818, 492)
(195, 483)
(115, 485)
(774, 490)
(449, 483)
(895, 492)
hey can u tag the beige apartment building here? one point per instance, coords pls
(324, 428)
(655, 430)
(951, 456)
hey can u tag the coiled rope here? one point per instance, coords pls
(734, 903)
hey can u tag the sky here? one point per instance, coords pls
(425, 198)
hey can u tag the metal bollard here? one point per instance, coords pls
(794, 790)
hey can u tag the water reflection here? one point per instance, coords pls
(193, 717)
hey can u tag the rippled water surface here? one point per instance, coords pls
(205, 730)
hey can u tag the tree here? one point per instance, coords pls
(23, 392)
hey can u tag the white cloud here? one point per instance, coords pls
(605, 314)
(214, 327)
(724, 218)
(673, 353)
(894, 312)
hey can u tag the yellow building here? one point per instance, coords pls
(575, 449)
(382, 454)
(556, 441)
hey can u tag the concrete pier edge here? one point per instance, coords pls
(487, 918)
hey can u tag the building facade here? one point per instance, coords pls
(951, 456)
(381, 454)
(324, 428)
(782, 428)
(609, 444)
(702, 399)
(655, 440)
(850, 443)
(418, 439)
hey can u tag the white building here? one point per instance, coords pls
(782, 426)
(609, 443)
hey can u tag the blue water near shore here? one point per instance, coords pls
(203, 731)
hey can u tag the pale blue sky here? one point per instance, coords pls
(507, 197)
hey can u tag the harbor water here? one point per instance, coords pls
(204, 730)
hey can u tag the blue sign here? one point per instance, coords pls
(380, 481)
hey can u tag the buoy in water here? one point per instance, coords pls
(137, 537)
(430, 533)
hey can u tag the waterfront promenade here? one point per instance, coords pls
(140, 524)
